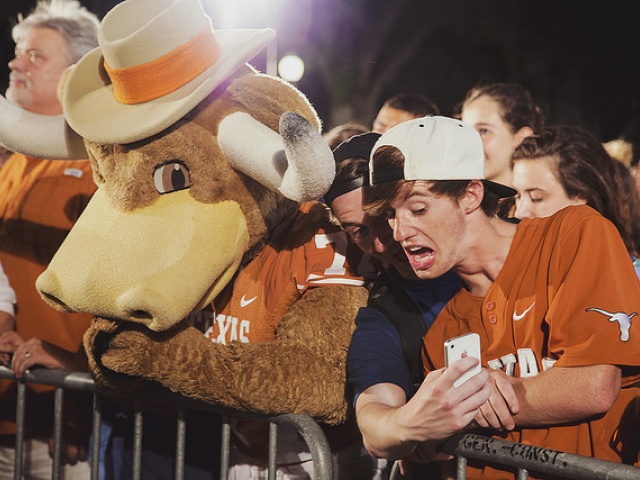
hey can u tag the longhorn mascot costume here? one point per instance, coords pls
(205, 171)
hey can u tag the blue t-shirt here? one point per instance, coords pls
(375, 353)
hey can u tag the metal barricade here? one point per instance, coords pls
(529, 458)
(521, 458)
(62, 380)
(525, 459)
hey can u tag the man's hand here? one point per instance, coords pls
(438, 409)
(9, 342)
(502, 405)
(22, 355)
(32, 352)
(394, 428)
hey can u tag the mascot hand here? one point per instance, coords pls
(315, 333)
(98, 342)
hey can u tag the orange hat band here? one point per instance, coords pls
(166, 74)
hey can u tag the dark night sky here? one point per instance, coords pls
(579, 59)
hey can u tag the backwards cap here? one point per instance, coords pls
(435, 148)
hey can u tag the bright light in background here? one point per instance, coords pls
(247, 14)
(291, 68)
(292, 26)
(242, 13)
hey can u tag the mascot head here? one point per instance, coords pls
(196, 155)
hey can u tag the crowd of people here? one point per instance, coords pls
(488, 221)
(447, 205)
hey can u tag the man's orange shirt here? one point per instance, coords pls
(567, 296)
(40, 200)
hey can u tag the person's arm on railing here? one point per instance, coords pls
(392, 427)
(559, 395)
(7, 305)
(7, 322)
(26, 354)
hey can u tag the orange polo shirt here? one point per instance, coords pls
(40, 200)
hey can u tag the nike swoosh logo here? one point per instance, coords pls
(517, 317)
(245, 303)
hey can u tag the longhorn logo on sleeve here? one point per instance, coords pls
(623, 320)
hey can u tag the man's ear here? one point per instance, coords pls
(523, 133)
(473, 196)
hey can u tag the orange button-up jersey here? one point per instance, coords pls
(567, 296)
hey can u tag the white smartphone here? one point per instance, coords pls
(454, 349)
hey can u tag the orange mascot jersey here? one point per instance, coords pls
(567, 296)
(306, 252)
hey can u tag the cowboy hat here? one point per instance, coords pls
(156, 60)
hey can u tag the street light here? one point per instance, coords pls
(291, 68)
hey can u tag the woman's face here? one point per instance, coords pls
(540, 193)
(498, 139)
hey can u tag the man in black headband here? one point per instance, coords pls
(384, 357)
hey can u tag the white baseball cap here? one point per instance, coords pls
(435, 148)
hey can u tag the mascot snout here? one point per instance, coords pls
(181, 270)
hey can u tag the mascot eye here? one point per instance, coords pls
(170, 177)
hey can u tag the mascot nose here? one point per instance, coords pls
(55, 302)
(144, 305)
(48, 285)
(140, 304)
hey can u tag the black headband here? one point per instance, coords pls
(358, 146)
(338, 189)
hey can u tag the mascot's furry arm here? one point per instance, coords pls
(302, 371)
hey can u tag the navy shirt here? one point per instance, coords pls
(375, 353)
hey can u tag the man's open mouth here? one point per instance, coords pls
(420, 258)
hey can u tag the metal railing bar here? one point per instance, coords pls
(461, 468)
(524, 458)
(80, 381)
(537, 459)
(225, 447)
(21, 401)
(273, 451)
(96, 434)
(138, 418)
(315, 439)
(58, 404)
(181, 439)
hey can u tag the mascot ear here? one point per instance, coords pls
(298, 163)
